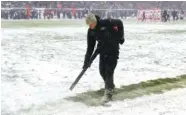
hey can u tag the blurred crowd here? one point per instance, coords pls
(176, 15)
(79, 9)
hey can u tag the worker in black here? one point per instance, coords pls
(144, 17)
(165, 15)
(109, 33)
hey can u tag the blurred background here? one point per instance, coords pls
(170, 10)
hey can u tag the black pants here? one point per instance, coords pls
(107, 65)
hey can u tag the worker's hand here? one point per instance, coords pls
(86, 66)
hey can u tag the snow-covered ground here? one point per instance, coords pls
(169, 103)
(40, 64)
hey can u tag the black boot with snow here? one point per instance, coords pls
(107, 95)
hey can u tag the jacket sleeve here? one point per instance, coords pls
(117, 26)
(121, 32)
(121, 28)
(90, 46)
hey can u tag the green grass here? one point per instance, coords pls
(66, 23)
(171, 31)
(158, 86)
(40, 23)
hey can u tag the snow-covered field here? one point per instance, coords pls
(40, 64)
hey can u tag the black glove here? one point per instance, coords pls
(122, 40)
(86, 65)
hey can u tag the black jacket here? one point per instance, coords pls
(108, 33)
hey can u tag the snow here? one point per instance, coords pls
(40, 64)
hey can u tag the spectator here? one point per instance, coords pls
(103, 8)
